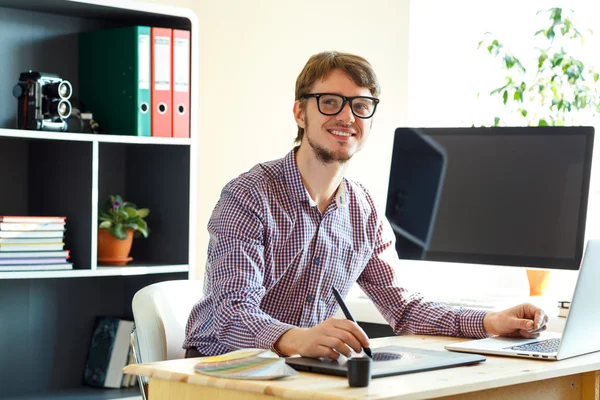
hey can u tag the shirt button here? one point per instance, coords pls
(317, 261)
(309, 299)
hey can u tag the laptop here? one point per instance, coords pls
(388, 361)
(581, 334)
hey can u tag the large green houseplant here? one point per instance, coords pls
(555, 87)
(119, 221)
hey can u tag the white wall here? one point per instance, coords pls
(251, 52)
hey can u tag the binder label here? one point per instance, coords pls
(181, 65)
(162, 65)
(144, 61)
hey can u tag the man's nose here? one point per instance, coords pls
(346, 114)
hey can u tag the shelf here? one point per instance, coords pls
(141, 269)
(86, 393)
(126, 12)
(89, 137)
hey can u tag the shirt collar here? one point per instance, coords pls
(296, 188)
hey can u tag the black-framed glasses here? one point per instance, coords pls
(332, 104)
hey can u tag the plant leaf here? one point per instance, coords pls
(130, 212)
(118, 230)
(542, 59)
(105, 225)
(143, 228)
(131, 225)
(518, 96)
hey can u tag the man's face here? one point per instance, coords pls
(333, 138)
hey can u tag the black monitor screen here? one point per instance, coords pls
(504, 196)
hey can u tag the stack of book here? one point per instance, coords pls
(33, 243)
(563, 308)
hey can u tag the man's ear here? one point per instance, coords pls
(299, 114)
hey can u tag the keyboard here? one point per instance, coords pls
(543, 346)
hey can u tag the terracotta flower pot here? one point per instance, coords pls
(112, 251)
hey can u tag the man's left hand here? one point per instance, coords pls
(524, 320)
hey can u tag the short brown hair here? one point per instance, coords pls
(321, 64)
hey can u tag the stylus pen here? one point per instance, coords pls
(348, 315)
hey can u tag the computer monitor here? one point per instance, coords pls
(514, 196)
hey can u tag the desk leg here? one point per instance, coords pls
(160, 389)
(590, 382)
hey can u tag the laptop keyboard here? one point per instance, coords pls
(543, 346)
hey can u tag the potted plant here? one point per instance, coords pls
(119, 221)
(557, 88)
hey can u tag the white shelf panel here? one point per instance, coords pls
(100, 271)
(140, 270)
(90, 137)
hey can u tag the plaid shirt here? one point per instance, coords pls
(273, 258)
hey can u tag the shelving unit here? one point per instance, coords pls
(46, 317)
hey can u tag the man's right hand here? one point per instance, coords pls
(328, 339)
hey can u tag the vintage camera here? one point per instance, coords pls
(43, 101)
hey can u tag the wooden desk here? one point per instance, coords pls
(496, 378)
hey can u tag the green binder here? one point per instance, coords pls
(114, 79)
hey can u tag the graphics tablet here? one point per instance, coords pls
(388, 361)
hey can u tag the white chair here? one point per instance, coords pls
(160, 313)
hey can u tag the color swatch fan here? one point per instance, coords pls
(246, 364)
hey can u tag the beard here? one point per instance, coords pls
(324, 155)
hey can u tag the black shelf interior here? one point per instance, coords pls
(84, 393)
(48, 325)
(155, 177)
(44, 177)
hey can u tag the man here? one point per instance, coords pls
(287, 231)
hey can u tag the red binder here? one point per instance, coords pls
(161, 81)
(180, 78)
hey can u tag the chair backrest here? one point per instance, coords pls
(160, 312)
